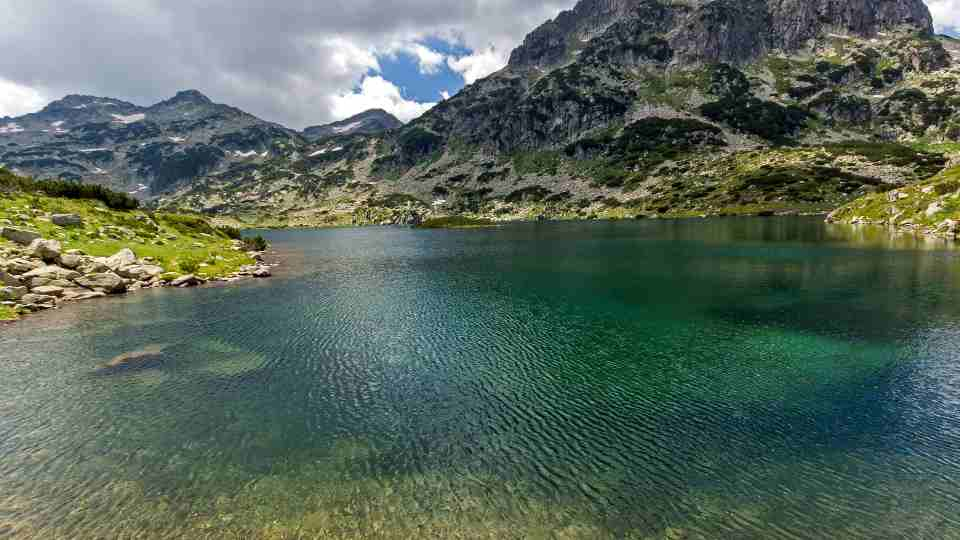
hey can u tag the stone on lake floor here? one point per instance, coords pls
(145, 358)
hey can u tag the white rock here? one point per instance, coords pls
(124, 257)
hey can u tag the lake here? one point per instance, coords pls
(734, 378)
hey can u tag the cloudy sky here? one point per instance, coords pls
(297, 62)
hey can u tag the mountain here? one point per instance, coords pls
(370, 122)
(144, 150)
(616, 108)
(647, 108)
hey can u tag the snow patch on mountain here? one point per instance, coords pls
(129, 119)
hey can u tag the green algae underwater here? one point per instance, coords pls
(744, 378)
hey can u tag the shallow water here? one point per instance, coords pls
(740, 378)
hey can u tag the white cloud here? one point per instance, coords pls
(16, 99)
(375, 92)
(946, 14)
(479, 64)
(445, 95)
(428, 60)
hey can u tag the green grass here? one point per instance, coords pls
(7, 313)
(917, 198)
(174, 237)
(456, 222)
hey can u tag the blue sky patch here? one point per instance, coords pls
(404, 71)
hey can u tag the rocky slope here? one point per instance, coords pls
(646, 107)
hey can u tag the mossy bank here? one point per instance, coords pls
(61, 242)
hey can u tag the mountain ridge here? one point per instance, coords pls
(629, 108)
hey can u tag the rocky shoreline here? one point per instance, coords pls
(37, 274)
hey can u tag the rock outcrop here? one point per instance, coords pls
(41, 276)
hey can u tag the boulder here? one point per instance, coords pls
(93, 265)
(38, 301)
(47, 250)
(48, 290)
(262, 272)
(66, 220)
(22, 266)
(77, 294)
(124, 257)
(19, 236)
(51, 272)
(188, 280)
(9, 280)
(107, 282)
(12, 293)
(934, 209)
(949, 226)
(71, 260)
(140, 272)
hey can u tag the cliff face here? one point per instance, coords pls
(734, 31)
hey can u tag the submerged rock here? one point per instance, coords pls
(145, 358)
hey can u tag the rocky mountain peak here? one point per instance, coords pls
(187, 97)
(368, 122)
(716, 30)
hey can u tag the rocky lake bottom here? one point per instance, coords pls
(742, 378)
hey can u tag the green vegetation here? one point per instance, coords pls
(7, 313)
(623, 160)
(925, 163)
(927, 204)
(543, 163)
(70, 190)
(765, 119)
(255, 243)
(169, 239)
(455, 222)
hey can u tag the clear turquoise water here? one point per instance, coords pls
(696, 379)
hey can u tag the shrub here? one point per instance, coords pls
(232, 233)
(255, 243)
(765, 119)
(188, 265)
(68, 190)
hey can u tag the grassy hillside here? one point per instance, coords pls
(930, 207)
(179, 243)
